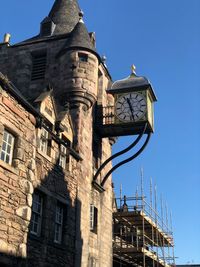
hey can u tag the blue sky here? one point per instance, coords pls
(162, 38)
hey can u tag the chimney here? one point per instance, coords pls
(7, 38)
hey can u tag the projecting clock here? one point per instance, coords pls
(131, 107)
(132, 111)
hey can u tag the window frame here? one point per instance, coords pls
(45, 139)
(83, 57)
(58, 223)
(7, 144)
(63, 156)
(38, 214)
(44, 136)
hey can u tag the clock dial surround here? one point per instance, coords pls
(131, 107)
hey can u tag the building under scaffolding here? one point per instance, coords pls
(141, 237)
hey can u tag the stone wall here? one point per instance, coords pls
(83, 85)
(32, 171)
(16, 187)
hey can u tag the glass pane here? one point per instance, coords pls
(5, 136)
(8, 149)
(2, 156)
(10, 139)
(4, 146)
(35, 228)
(7, 159)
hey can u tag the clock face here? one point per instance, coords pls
(131, 107)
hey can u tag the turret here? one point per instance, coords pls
(79, 67)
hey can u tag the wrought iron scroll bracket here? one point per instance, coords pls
(122, 162)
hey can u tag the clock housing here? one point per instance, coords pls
(133, 108)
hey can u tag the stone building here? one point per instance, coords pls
(50, 88)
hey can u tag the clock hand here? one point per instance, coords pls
(131, 108)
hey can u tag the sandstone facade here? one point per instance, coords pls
(50, 213)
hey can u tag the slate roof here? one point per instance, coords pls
(131, 82)
(65, 14)
(79, 38)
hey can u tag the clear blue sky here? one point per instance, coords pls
(162, 38)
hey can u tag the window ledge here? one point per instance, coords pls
(44, 155)
(60, 246)
(35, 237)
(93, 232)
(8, 167)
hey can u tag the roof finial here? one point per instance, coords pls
(81, 14)
(103, 58)
(133, 68)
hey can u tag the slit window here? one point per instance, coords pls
(93, 218)
(7, 148)
(38, 67)
(96, 153)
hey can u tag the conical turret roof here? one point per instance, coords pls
(80, 38)
(65, 15)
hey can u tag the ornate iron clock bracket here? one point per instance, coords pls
(99, 187)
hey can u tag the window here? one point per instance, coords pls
(47, 27)
(100, 85)
(36, 217)
(45, 142)
(96, 151)
(93, 218)
(7, 147)
(39, 66)
(83, 57)
(58, 223)
(63, 156)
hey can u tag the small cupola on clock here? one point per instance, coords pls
(133, 107)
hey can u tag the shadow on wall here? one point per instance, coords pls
(54, 237)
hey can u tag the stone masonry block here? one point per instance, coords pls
(24, 212)
(22, 250)
(3, 246)
(29, 200)
(20, 154)
(13, 108)
(32, 165)
(26, 186)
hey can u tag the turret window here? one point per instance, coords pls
(83, 57)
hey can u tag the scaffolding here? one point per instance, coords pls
(141, 236)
